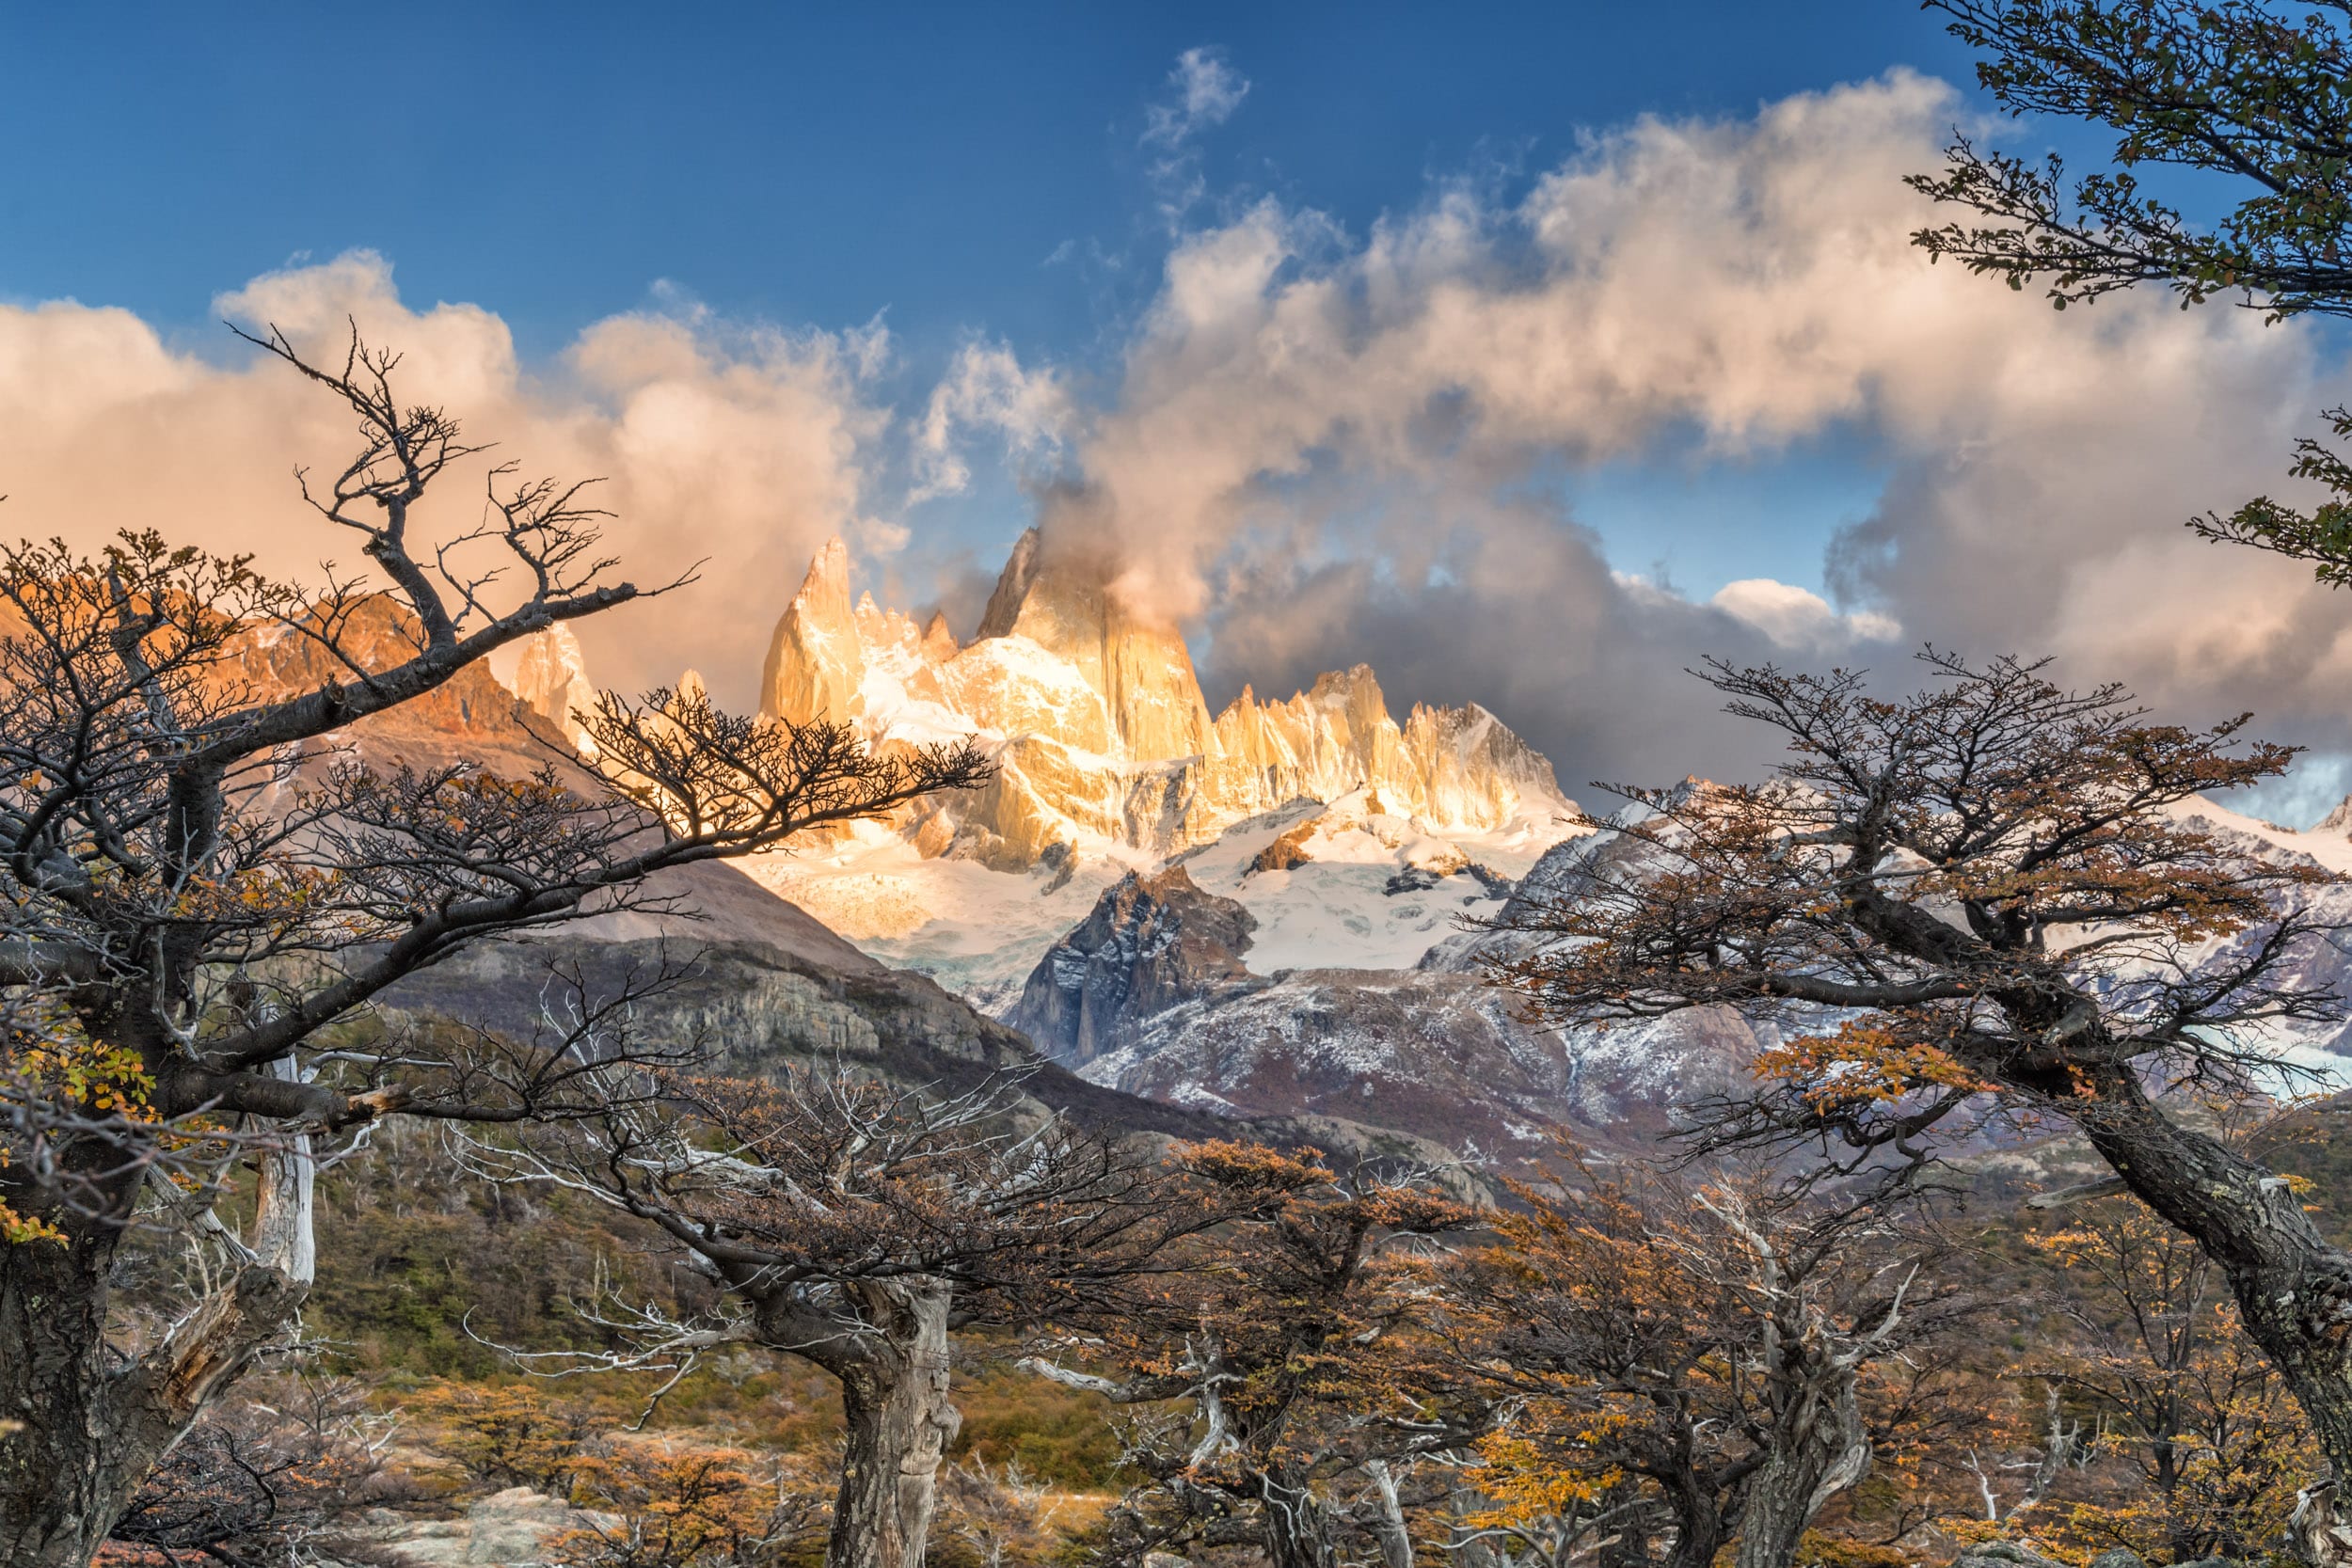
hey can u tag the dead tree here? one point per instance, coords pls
(193, 887)
(858, 1225)
(1991, 896)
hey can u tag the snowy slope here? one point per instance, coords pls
(1377, 893)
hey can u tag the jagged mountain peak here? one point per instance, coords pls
(829, 572)
(939, 640)
(1347, 688)
(816, 659)
(1013, 586)
(1064, 597)
(1104, 738)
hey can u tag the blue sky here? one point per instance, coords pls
(1530, 353)
(802, 164)
(955, 168)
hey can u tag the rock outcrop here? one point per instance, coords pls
(816, 659)
(376, 633)
(1152, 943)
(2338, 821)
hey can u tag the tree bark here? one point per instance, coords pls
(1388, 1525)
(1294, 1524)
(1820, 1449)
(77, 1433)
(286, 1201)
(900, 1420)
(1697, 1538)
(56, 1489)
(1628, 1544)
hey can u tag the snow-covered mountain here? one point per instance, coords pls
(1110, 762)
(1169, 990)
(1102, 736)
(1275, 910)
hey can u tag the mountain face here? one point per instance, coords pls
(1110, 760)
(756, 974)
(1284, 912)
(376, 632)
(551, 679)
(1152, 944)
(1103, 738)
(1183, 986)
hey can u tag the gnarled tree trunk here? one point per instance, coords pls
(894, 1401)
(2294, 1288)
(1698, 1526)
(1821, 1449)
(1388, 1524)
(77, 1435)
(80, 1431)
(58, 1495)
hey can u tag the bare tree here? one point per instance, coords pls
(281, 1482)
(1987, 897)
(2014, 1481)
(857, 1225)
(193, 887)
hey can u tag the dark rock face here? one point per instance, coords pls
(1151, 944)
(1288, 850)
(1152, 995)
(1413, 879)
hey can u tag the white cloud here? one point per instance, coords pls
(1318, 446)
(986, 388)
(873, 537)
(1207, 89)
(1299, 403)
(744, 446)
(1799, 619)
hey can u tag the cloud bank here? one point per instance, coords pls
(1316, 447)
(745, 446)
(1325, 447)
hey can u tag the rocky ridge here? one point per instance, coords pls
(1102, 737)
(1170, 987)
(1322, 959)
(551, 678)
(1234, 911)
